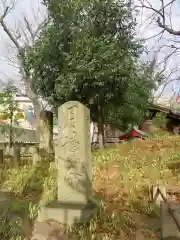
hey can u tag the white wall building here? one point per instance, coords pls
(26, 105)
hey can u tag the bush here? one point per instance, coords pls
(160, 120)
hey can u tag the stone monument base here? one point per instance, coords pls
(68, 213)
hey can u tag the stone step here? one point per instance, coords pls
(169, 228)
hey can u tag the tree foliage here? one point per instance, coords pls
(9, 110)
(89, 52)
(9, 106)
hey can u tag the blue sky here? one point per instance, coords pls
(24, 8)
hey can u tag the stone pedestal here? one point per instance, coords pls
(68, 213)
(156, 196)
(73, 156)
(50, 230)
(169, 228)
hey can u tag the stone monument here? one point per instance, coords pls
(73, 157)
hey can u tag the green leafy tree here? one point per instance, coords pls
(10, 110)
(89, 53)
(160, 120)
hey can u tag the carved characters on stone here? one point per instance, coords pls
(63, 132)
(74, 175)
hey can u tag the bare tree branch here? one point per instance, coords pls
(21, 49)
(164, 86)
(9, 33)
(150, 7)
(162, 16)
(167, 28)
(161, 21)
(34, 34)
(29, 28)
(40, 27)
(155, 35)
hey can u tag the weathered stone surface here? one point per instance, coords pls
(73, 153)
(73, 157)
(68, 213)
(168, 225)
(156, 196)
(50, 230)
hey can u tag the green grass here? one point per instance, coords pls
(121, 177)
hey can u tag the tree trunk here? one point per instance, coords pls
(37, 111)
(21, 51)
(16, 155)
(46, 131)
(11, 130)
(1, 156)
(100, 126)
